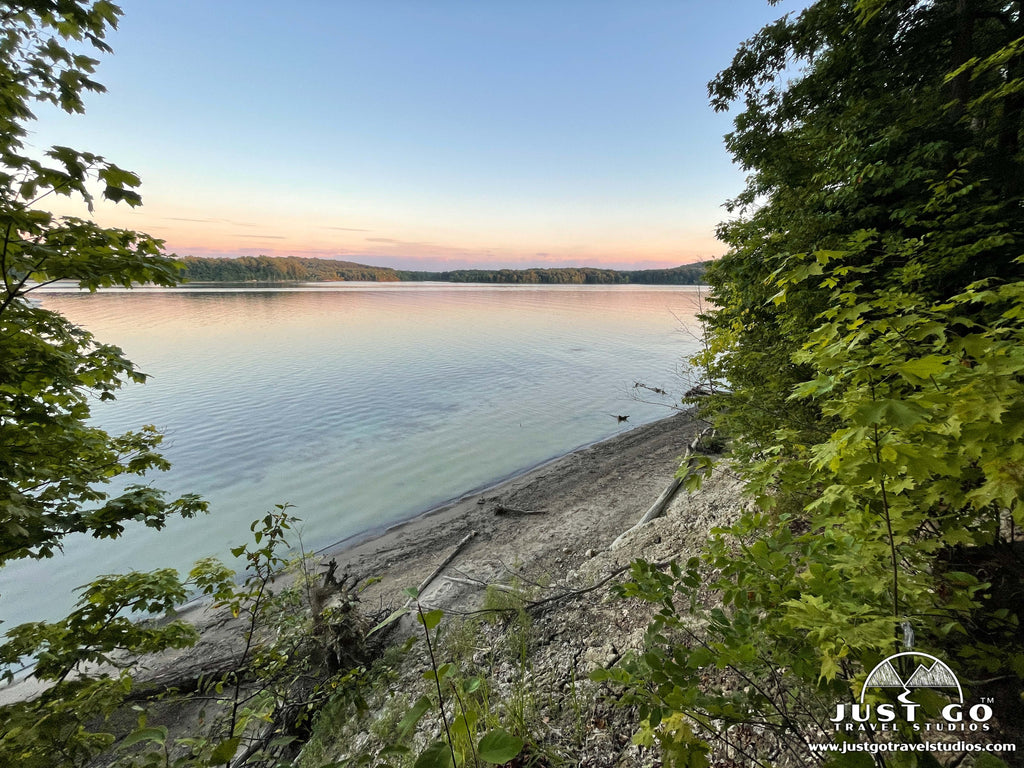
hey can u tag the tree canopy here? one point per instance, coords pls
(284, 268)
(865, 354)
(876, 151)
(53, 463)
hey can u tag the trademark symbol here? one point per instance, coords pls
(987, 700)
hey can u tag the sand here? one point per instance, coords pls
(580, 503)
(583, 501)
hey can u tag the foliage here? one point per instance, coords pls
(54, 726)
(59, 726)
(255, 712)
(469, 735)
(255, 700)
(689, 274)
(68, 723)
(865, 152)
(923, 469)
(865, 344)
(272, 269)
(52, 463)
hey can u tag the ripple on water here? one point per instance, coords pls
(360, 405)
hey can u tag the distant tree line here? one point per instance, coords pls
(276, 269)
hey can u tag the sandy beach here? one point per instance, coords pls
(553, 526)
(581, 503)
(578, 504)
(556, 542)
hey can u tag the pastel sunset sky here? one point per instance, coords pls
(430, 134)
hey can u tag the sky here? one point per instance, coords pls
(419, 134)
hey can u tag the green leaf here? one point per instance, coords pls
(440, 674)
(463, 727)
(923, 367)
(412, 717)
(431, 619)
(156, 735)
(437, 755)
(891, 412)
(499, 746)
(391, 619)
(224, 751)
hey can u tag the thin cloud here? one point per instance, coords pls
(346, 229)
(210, 221)
(266, 237)
(409, 243)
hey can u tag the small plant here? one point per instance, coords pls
(576, 702)
(460, 747)
(467, 735)
(281, 675)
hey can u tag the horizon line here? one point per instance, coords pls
(342, 259)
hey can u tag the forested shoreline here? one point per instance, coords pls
(861, 371)
(285, 268)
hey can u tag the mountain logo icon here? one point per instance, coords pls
(928, 672)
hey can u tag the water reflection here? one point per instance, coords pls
(361, 405)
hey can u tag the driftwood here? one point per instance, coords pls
(480, 584)
(543, 603)
(655, 390)
(389, 622)
(444, 564)
(501, 509)
(699, 391)
(657, 509)
(186, 677)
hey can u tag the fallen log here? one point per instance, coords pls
(391, 620)
(444, 564)
(480, 584)
(501, 509)
(657, 509)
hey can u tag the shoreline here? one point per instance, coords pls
(356, 539)
(579, 503)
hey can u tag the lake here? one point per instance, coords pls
(362, 404)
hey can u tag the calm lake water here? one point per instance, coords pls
(362, 404)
